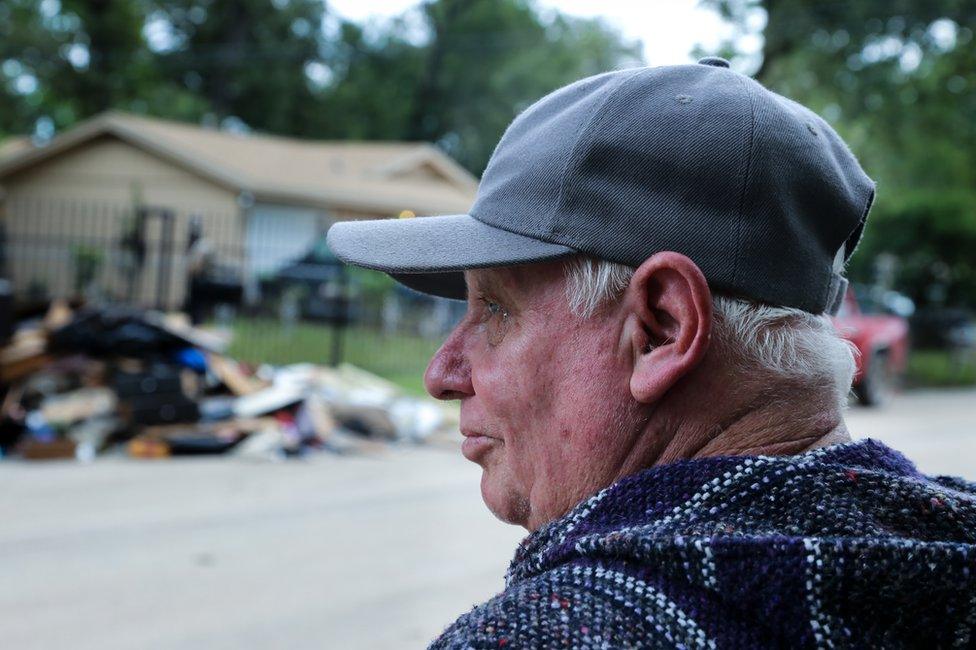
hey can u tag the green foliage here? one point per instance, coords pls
(481, 63)
(61, 62)
(370, 95)
(87, 263)
(371, 285)
(933, 234)
(488, 59)
(941, 368)
(244, 58)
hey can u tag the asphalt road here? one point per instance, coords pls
(324, 553)
(935, 428)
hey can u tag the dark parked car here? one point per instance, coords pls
(312, 287)
(943, 328)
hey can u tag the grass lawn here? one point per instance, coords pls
(940, 368)
(402, 359)
(399, 358)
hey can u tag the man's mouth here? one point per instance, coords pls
(476, 444)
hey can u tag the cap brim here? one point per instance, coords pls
(430, 254)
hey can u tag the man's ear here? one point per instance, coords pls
(670, 305)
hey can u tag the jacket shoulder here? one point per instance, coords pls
(577, 606)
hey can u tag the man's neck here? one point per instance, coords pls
(772, 427)
(776, 432)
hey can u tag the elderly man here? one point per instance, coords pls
(650, 380)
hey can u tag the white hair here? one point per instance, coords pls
(788, 343)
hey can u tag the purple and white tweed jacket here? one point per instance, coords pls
(844, 546)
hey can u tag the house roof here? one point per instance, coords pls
(14, 145)
(381, 177)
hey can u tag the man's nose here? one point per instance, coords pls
(448, 374)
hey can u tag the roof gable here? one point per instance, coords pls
(427, 163)
(384, 177)
(15, 145)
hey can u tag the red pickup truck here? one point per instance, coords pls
(882, 341)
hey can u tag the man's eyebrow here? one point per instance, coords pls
(488, 283)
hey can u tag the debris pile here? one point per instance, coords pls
(82, 383)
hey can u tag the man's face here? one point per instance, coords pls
(546, 408)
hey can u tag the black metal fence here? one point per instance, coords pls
(280, 297)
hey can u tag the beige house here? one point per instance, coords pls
(262, 200)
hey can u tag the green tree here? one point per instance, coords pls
(63, 61)
(245, 58)
(370, 89)
(488, 59)
(105, 64)
(478, 63)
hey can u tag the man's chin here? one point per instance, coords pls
(504, 503)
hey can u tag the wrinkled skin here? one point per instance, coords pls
(542, 385)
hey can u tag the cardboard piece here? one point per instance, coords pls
(230, 374)
(78, 405)
(58, 315)
(10, 408)
(33, 449)
(269, 400)
(178, 325)
(26, 354)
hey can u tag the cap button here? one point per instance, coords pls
(714, 61)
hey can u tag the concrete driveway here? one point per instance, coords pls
(324, 553)
(935, 428)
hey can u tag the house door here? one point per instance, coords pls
(277, 235)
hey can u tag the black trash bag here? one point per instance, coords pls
(116, 331)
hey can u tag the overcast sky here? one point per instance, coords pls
(668, 29)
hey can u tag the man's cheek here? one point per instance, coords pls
(529, 459)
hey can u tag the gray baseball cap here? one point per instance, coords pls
(760, 192)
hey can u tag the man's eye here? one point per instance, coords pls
(496, 321)
(494, 309)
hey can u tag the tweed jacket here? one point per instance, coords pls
(844, 546)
